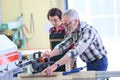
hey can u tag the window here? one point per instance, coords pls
(104, 15)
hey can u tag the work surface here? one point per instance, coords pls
(83, 75)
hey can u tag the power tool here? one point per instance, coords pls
(38, 63)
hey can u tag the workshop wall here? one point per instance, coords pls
(34, 15)
(10, 10)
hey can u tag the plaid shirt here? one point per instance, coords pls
(87, 44)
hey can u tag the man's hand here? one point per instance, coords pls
(46, 54)
(49, 70)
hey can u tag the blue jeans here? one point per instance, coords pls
(98, 65)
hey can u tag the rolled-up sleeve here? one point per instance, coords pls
(65, 44)
(82, 44)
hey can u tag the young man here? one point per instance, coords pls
(87, 45)
(57, 32)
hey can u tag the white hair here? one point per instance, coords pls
(72, 14)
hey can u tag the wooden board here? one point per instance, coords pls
(42, 76)
(84, 75)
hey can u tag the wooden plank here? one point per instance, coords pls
(67, 66)
(42, 76)
(83, 75)
(58, 76)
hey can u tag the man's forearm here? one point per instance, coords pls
(54, 52)
(64, 60)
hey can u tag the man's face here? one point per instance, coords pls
(69, 24)
(54, 20)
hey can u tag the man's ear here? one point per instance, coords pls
(75, 21)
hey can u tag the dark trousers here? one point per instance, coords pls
(98, 65)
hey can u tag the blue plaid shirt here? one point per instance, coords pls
(87, 44)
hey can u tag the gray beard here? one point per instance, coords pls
(72, 29)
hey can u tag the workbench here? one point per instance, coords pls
(83, 75)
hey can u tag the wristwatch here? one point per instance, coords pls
(58, 65)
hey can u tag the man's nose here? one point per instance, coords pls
(53, 22)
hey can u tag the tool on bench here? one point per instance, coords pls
(38, 63)
(73, 70)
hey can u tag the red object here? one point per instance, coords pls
(41, 59)
(9, 57)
